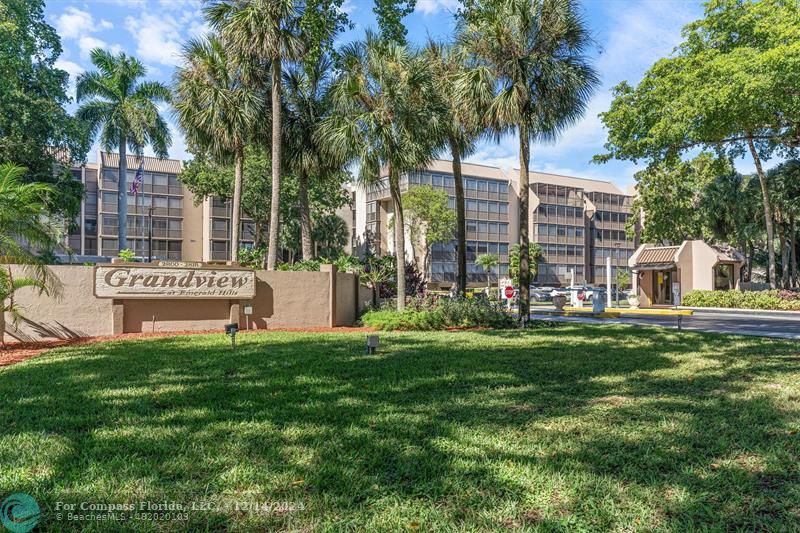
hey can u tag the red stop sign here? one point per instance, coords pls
(509, 291)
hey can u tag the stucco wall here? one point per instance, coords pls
(283, 300)
(76, 314)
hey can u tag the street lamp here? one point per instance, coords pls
(616, 283)
(150, 233)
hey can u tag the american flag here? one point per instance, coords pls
(137, 180)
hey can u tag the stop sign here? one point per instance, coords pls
(509, 292)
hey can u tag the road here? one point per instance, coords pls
(738, 323)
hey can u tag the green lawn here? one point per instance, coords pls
(577, 428)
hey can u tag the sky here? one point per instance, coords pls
(630, 35)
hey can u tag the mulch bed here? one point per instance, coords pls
(16, 352)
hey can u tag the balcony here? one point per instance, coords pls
(565, 220)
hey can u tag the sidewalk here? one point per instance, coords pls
(760, 313)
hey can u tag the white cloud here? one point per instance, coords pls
(86, 44)
(430, 7)
(73, 23)
(157, 38)
(106, 25)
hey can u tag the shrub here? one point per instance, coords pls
(771, 299)
(430, 314)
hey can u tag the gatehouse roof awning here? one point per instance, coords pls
(654, 266)
(657, 254)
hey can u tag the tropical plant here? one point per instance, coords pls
(430, 219)
(307, 104)
(263, 32)
(330, 235)
(535, 253)
(377, 271)
(385, 118)
(124, 111)
(25, 231)
(531, 60)
(488, 262)
(252, 257)
(217, 111)
(463, 109)
(126, 255)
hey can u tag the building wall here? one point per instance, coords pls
(283, 300)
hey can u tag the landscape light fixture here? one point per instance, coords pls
(372, 344)
(231, 329)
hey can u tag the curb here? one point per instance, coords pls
(745, 312)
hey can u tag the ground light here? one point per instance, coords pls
(372, 344)
(231, 329)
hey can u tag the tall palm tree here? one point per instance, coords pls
(308, 102)
(124, 110)
(532, 55)
(489, 262)
(25, 229)
(263, 32)
(387, 118)
(463, 111)
(217, 111)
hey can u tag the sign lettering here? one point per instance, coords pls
(128, 281)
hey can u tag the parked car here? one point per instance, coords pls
(541, 294)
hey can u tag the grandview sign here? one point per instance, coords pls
(134, 281)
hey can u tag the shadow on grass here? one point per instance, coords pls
(572, 427)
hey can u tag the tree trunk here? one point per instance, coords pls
(762, 179)
(305, 217)
(461, 227)
(274, 215)
(793, 250)
(784, 239)
(236, 208)
(750, 252)
(399, 239)
(2, 324)
(122, 195)
(524, 239)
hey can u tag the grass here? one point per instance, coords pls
(578, 428)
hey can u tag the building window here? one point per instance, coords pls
(723, 277)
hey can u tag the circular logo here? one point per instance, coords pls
(19, 513)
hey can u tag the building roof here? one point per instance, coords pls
(727, 253)
(151, 164)
(657, 254)
(588, 185)
(468, 169)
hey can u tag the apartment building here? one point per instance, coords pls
(578, 223)
(183, 228)
(489, 228)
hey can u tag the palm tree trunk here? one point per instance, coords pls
(793, 244)
(305, 217)
(122, 195)
(237, 202)
(524, 239)
(762, 179)
(461, 227)
(2, 324)
(274, 215)
(782, 235)
(399, 239)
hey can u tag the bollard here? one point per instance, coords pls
(680, 322)
(231, 329)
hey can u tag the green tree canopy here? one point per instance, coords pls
(36, 132)
(731, 86)
(430, 219)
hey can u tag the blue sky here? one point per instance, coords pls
(630, 36)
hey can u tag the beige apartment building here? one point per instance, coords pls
(578, 222)
(182, 229)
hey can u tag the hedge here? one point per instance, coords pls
(771, 299)
(441, 314)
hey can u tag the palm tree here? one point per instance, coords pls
(308, 102)
(25, 229)
(125, 113)
(386, 117)
(462, 114)
(534, 252)
(263, 32)
(331, 235)
(489, 262)
(217, 111)
(533, 52)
